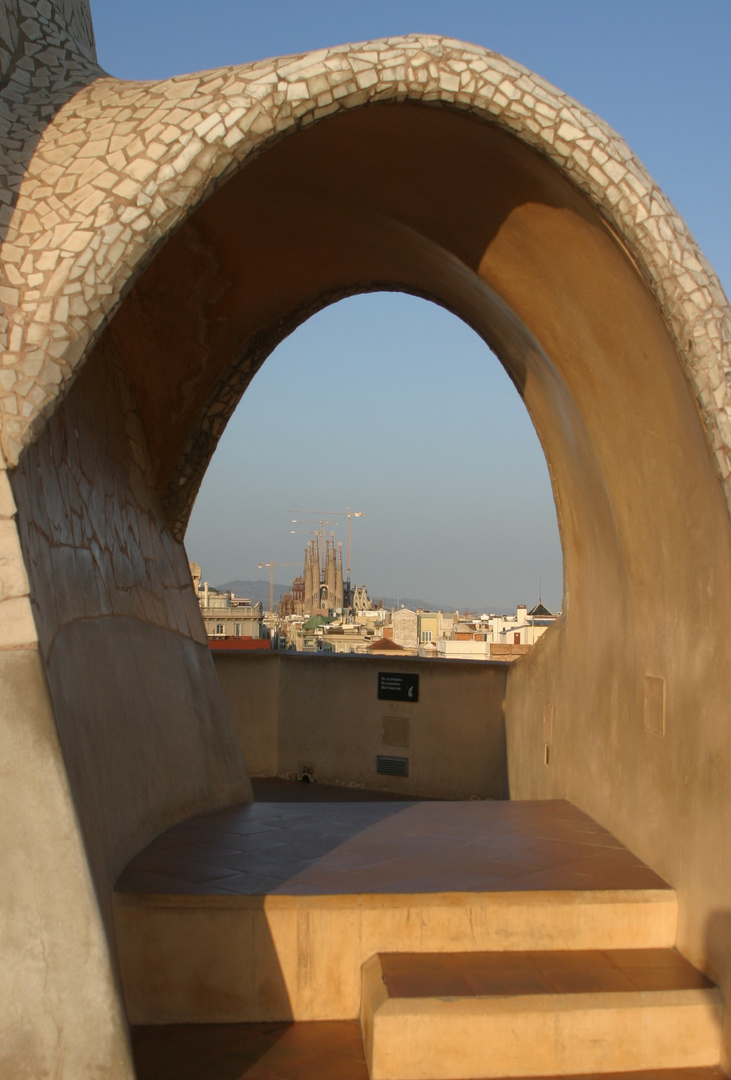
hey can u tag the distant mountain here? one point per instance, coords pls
(256, 591)
(404, 601)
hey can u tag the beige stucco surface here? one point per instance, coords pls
(57, 983)
(140, 716)
(289, 709)
(157, 241)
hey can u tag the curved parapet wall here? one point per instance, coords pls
(159, 240)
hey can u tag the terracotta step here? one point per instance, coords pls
(448, 1016)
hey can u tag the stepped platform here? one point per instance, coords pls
(253, 939)
(267, 911)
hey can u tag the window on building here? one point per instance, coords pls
(426, 635)
(219, 628)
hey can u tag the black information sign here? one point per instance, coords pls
(392, 687)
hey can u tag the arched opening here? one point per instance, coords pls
(391, 405)
(453, 209)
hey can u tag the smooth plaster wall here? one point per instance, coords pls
(250, 686)
(325, 711)
(667, 796)
(141, 718)
(61, 1012)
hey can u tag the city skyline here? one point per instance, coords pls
(401, 544)
(390, 405)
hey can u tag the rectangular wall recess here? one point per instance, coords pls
(548, 723)
(395, 731)
(655, 704)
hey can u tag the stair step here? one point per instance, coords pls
(447, 1016)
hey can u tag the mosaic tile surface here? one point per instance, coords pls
(100, 170)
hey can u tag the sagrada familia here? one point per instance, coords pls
(317, 591)
(323, 591)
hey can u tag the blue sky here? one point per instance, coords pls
(447, 469)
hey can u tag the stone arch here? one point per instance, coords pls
(560, 251)
(193, 132)
(531, 260)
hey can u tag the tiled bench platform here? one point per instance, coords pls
(233, 925)
(268, 911)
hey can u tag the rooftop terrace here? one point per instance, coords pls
(469, 902)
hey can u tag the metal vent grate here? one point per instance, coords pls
(392, 766)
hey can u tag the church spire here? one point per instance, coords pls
(339, 599)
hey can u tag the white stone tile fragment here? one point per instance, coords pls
(367, 78)
(297, 91)
(140, 168)
(569, 132)
(9, 295)
(186, 155)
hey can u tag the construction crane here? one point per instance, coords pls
(321, 521)
(271, 566)
(350, 514)
(296, 521)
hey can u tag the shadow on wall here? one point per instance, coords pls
(175, 970)
(230, 1050)
(140, 716)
